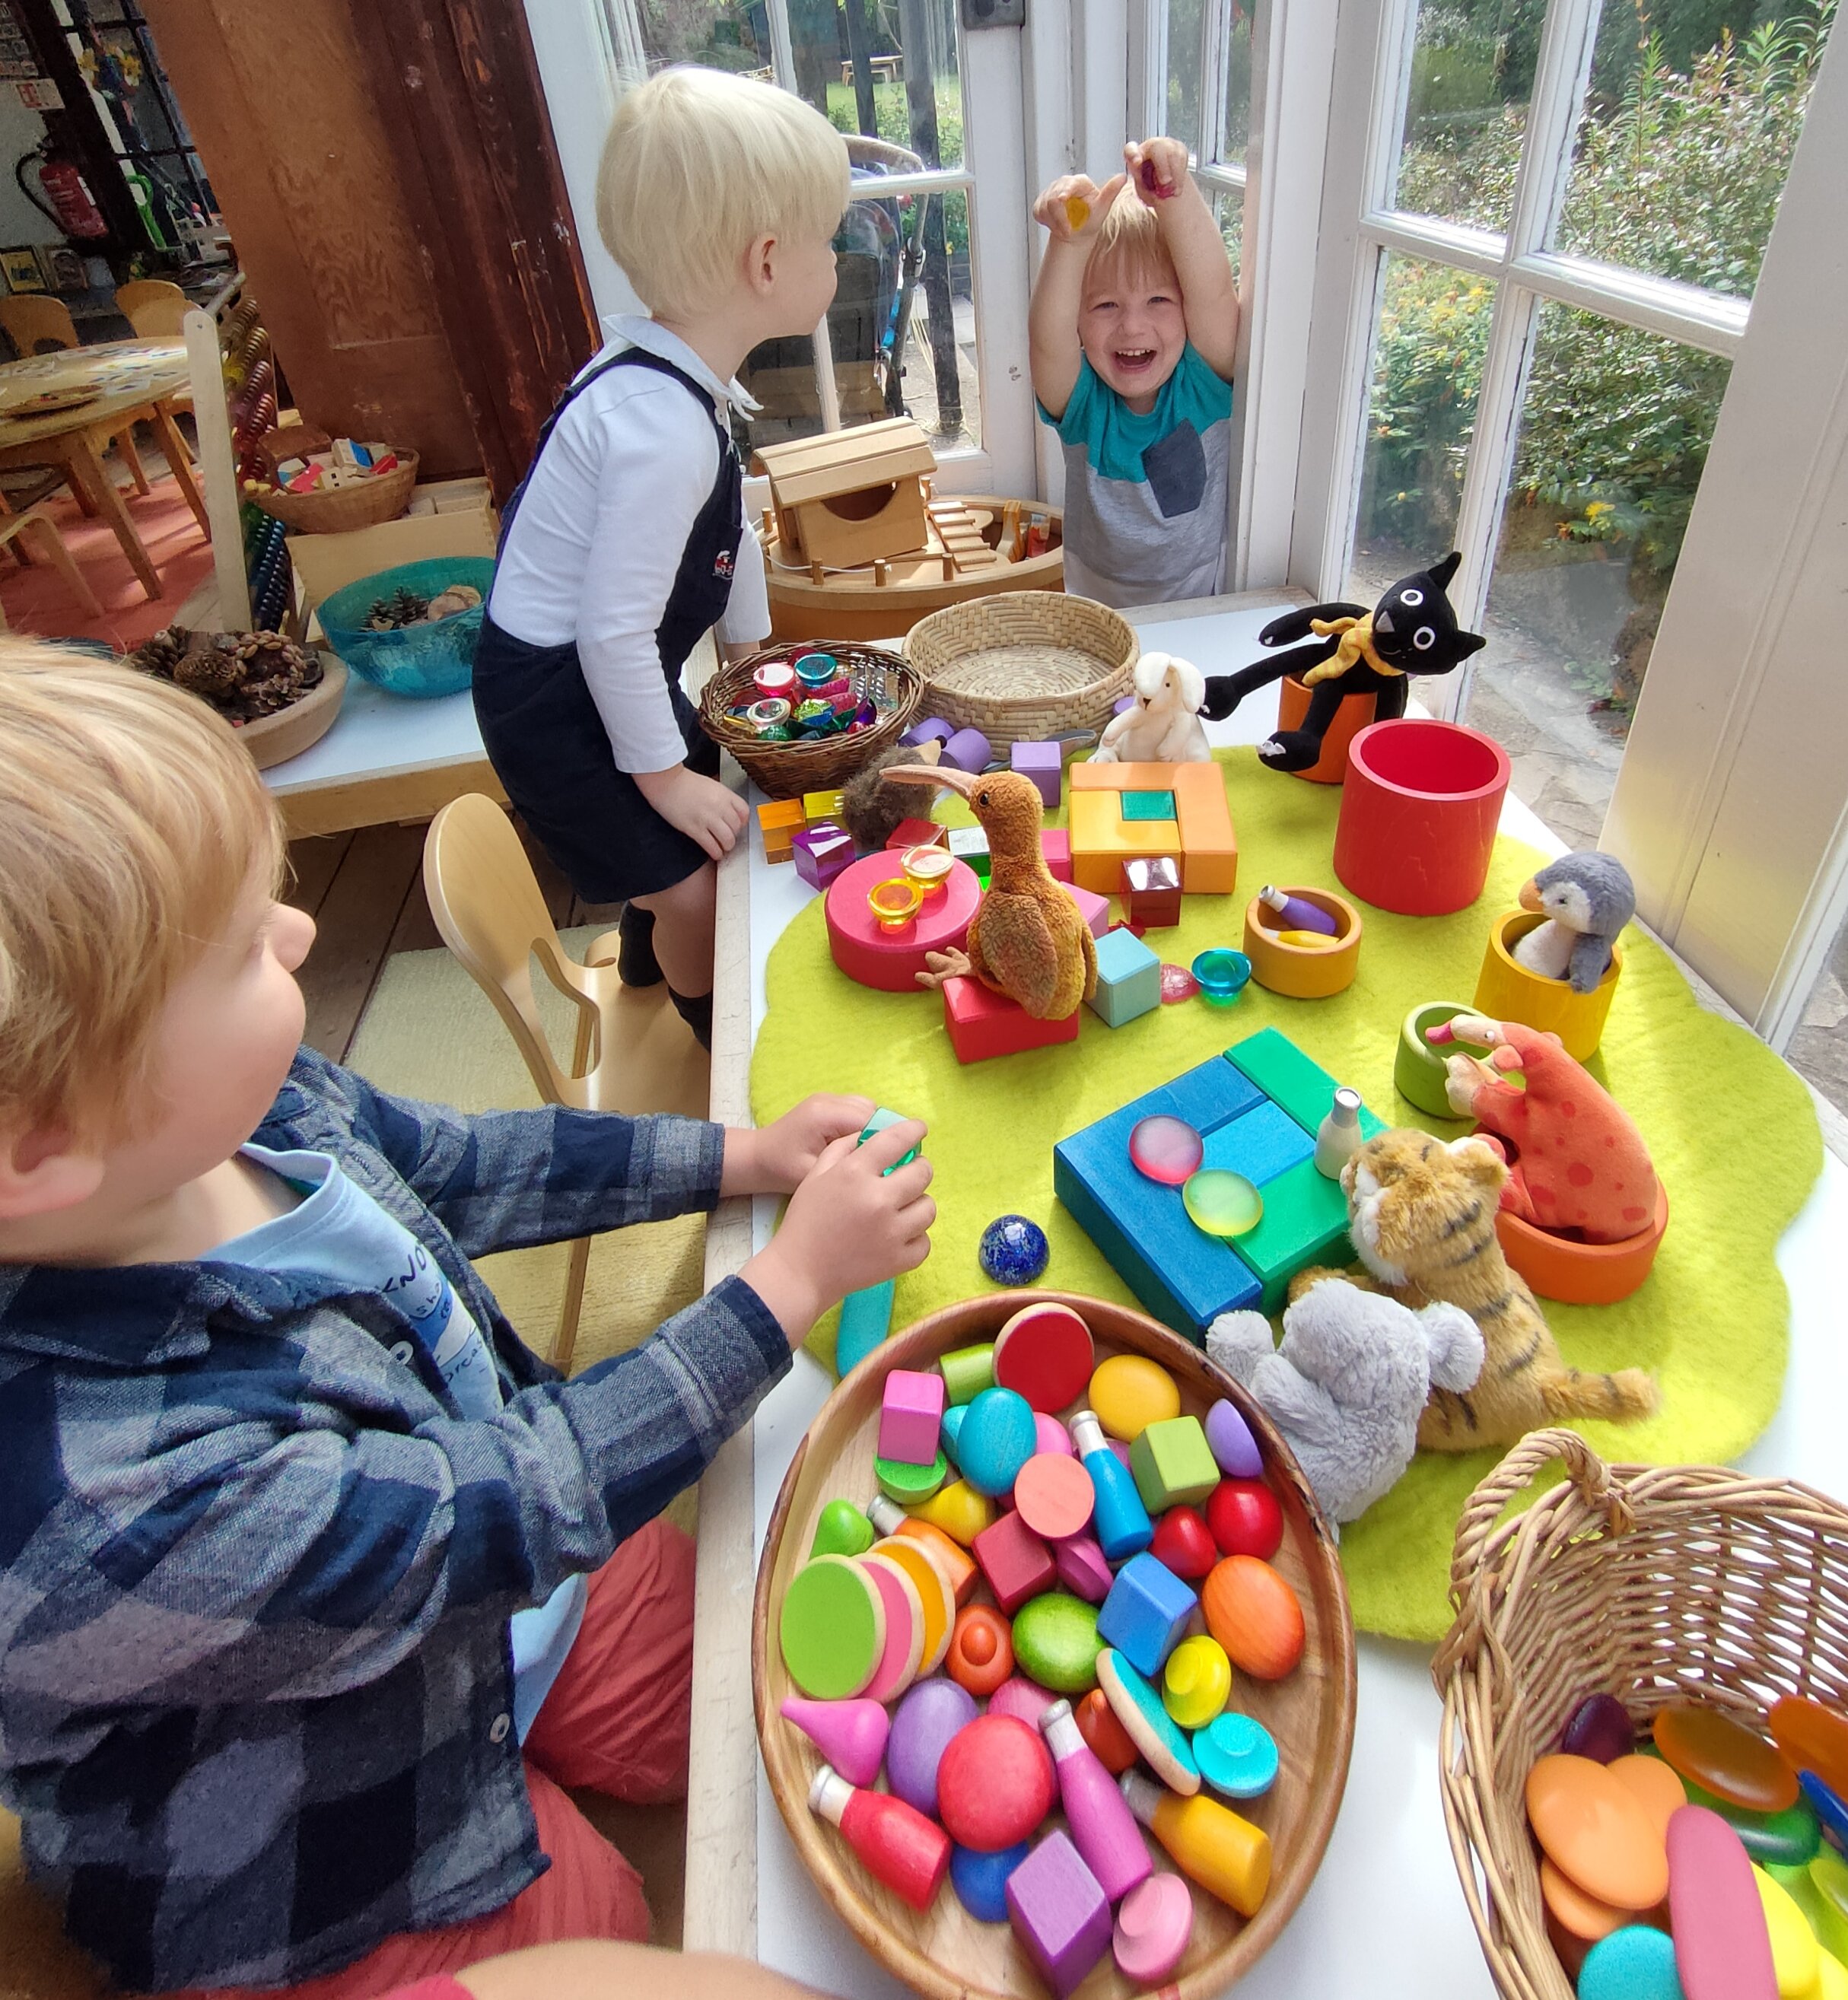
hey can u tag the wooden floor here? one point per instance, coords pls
(365, 891)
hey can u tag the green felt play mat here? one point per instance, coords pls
(1732, 1131)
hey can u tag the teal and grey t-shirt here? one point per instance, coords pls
(1146, 498)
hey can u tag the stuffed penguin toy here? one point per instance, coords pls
(1586, 898)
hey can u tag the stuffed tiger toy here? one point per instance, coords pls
(1422, 1217)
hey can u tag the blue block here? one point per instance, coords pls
(1129, 979)
(866, 1320)
(1146, 1614)
(1185, 1278)
(1206, 1097)
(1261, 1145)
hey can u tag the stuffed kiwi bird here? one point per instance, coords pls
(1026, 939)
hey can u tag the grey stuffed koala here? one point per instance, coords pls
(1348, 1384)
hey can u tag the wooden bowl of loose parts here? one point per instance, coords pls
(945, 1953)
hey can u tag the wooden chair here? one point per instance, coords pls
(37, 323)
(632, 1054)
(154, 308)
(36, 529)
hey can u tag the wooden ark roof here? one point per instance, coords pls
(837, 462)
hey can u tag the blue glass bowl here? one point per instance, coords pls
(420, 660)
(1223, 975)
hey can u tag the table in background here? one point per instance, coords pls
(1384, 1918)
(118, 379)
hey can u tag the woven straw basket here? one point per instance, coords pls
(787, 770)
(1654, 1584)
(333, 510)
(1023, 665)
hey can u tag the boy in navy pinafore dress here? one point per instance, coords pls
(627, 541)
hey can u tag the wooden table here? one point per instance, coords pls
(120, 380)
(1384, 1919)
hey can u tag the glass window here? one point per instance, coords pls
(1692, 114)
(1466, 108)
(1614, 428)
(1183, 118)
(1228, 211)
(1819, 1050)
(1430, 337)
(1235, 133)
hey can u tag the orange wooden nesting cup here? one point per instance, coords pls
(1350, 718)
(1418, 815)
(1304, 972)
(1582, 1274)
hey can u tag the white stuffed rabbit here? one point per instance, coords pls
(1164, 726)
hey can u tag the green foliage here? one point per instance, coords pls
(892, 115)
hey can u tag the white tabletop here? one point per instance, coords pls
(1384, 1919)
(380, 735)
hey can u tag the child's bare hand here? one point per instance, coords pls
(849, 1225)
(1158, 168)
(776, 1158)
(702, 808)
(1074, 206)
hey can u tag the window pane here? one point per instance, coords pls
(1614, 430)
(1466, 110)
(1183, 121)
(1237, 132)
(1228, 211)
(1687, 135)
(710, 33)
(1819, 1050)
(1429, 340)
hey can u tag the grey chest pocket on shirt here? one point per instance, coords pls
(1176, 471)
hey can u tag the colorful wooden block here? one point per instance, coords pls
(818, 806)
(778, 822)
(1173, 1464)
(1200, 830)
(1304, 1223)
(910, 833)
(936, 730)
(1060, 1913)
(1145, 1616)
(1129, 979)
(1044, 764)
(866, 1320)
(1209, 847)
(1016, 1563)
(1266, 1142)
(1043, 1353)
(1151, 891)
(967, 842)
(1212, 1094)
(1299, 1084)
(880, 1119)
(1095, 909)
(968, 750)
(966, 1371)
(1055, 845)
(1149, 805)
(981, 1023)
(823, 853)
(1102, 840)
(908, 1483)
(909, 1413)
(890, 961)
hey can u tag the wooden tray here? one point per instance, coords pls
(945, 1953)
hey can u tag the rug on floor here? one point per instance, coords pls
(1731, 1128)
(37, 601)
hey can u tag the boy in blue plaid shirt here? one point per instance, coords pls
(315, 1584)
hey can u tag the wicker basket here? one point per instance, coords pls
(787, 770)
(1024, 665)
(334, 510)
(1650, 1583)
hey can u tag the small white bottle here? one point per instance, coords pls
(1340, 1137)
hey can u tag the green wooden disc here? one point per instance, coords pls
(910, 1484)
(843, 1530)
(832, 1629)
(1056, 1642)
(966, 1371)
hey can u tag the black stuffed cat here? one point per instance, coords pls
(1351, 651)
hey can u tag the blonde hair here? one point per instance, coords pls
(1130, 247)
(697, 165)
(131, 821)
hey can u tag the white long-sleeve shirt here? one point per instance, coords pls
(596, 544)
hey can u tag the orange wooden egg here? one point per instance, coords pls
(1253, 1613)
(981, 1649)
(1112, 1744)
(1733, 1762)
(1597, 1831)
(1813, 1738)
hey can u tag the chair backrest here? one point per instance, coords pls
(486, 901)
(153, 307)
(37, 324)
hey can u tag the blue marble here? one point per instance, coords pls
(1014, 1251)
(980, 1880)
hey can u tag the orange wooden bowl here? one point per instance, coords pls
(1355, 713)
(1581, 1274)
(944, 1952)
(1304, 972)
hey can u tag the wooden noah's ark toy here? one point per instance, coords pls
(858, 546)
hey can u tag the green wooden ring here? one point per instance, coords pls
(1418, 1070)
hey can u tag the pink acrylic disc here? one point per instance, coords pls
(1166, 1149)
(1178, 984)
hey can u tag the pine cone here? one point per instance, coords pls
(212, 673)
(162, 653)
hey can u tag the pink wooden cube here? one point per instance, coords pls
(1059, 1912)
(821, 853)
(909, 1416)
(1094, 908)
(1016, 1563)
(1055, 844)
(1043, 763)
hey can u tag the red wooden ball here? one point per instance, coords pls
(994, 1783)
(1185, 1543)
(1245, 1518)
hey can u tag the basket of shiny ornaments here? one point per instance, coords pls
(1644, 1752)
(802, 719)
(1054, 1668)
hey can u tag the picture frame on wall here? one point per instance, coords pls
(20, 267)
(62, 267)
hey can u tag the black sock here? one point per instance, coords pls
(636, 964)
(697, 1012)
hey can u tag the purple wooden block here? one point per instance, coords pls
(1042, 763)
(1082, 1569)
(1123, 702)
(968, 750)
(1232, 1444)
(822, 852)
(936, 730)
(926, 1720)
(1060, 1912)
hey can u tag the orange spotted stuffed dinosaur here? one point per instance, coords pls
(1026, 939)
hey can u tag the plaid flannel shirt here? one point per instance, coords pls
(256, 1570)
